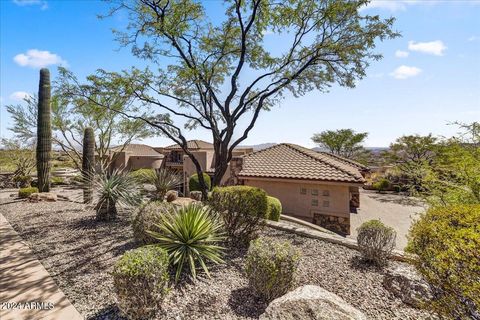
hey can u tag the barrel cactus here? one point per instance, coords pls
(88, 163)
(44, 132)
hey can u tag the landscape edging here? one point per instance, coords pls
(397, 255)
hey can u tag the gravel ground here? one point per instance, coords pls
(80, 252)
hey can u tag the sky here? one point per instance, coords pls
(427, 79)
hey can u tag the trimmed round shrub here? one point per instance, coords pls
(270, 266)
(146, 219)
(243, 209)
(381, 185)
(274, 208)
(57, 180)
(26, 192)
(376, 242)
(194, 185)
(446, 246)
(141, 174)
(140, 280)
(171, 195)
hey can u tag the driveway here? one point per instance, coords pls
(394, 210)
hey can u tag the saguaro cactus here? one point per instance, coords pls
(88, 163)
(44, 132)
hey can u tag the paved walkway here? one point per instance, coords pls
(24, 281)
(394, 210)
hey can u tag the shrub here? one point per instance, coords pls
(172, 195)
(190, 235)
(381, 185)
(22, 181)
(242, 209)
(113, 190)
(26, 192)
(274, 208)
(140, 174)
(140, 280)
(57, 180)
(194, 184)
(270, 266)
(163, 180)
(446, 242)
(146, 219)
(376, 242)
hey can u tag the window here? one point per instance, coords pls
(303, 191)
(326, 204)
(326, 193)
(314, 192)
(314, 203)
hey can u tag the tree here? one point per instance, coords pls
(413, 156)
(220, 75)
(344, 142)
(72, 114)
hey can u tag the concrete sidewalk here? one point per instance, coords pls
(26, 289)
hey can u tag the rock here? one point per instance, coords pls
(44, 196)
(404, 282)
(196, 195)
(171, 195)
(311, 302)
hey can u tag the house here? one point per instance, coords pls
(314, 186)
(175, 159)
(135, 156)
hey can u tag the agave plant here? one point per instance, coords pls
(190, 235)
(114, 190)
(163, 180)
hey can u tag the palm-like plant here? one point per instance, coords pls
(191, 235)
(113, 190)
(163, 180)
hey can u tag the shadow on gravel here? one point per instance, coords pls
(245, 303)
(396, 199)
(357, 262)
(110, 312)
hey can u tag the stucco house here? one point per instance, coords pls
(135, 156)
(315, 186)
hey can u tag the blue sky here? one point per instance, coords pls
(428, 78)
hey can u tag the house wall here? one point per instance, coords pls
(135, 163)
(332, 211)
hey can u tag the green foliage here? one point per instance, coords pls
(376, 242)
(140, 280)
(242, 208)
(446, 244)
(270, 266)
(381, 185)
(44, 132)
(194, 184)
(22, 181)
(112, 190)
(274, 208)
(190, 235)
(344, 142)
(26, 192)
(140, 174)
(146, 218)
(163, 179)
(57, 180)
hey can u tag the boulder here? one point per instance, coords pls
(44, 196)
(311, 302)
(196, 195)
(404, 282)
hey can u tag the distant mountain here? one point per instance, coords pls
(374, 150)
(261, 146)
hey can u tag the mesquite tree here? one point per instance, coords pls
(88, 163)
(220, 74)
(44, 132)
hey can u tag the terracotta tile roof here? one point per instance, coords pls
(193, 144)
(139, 150)
(291, 161)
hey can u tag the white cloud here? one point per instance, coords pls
(38, 59)
(401, 54)
(473, 38)
(405, 72)
(19, 95)
(42, 3)
(433, 47)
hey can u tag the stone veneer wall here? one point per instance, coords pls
(334, 223)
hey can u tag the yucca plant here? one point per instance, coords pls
(114, 190)
(191, 235)
(163, 180)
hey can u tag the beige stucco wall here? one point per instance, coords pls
(297, 204)
(135, 163)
